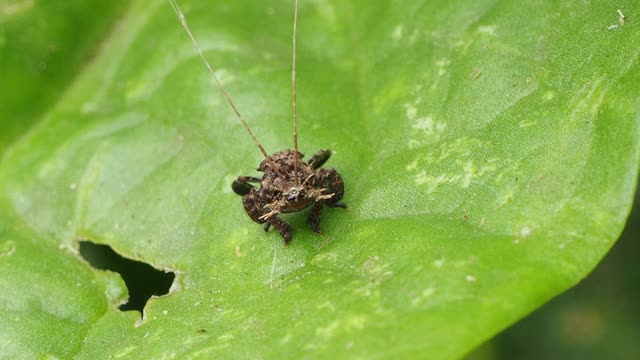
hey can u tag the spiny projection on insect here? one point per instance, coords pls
(288, 183)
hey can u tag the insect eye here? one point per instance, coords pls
(293, 194)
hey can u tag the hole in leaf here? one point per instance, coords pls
(142, 280)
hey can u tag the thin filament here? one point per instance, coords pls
(183, 21)
(293, 87)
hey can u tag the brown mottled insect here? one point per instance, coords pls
(288, 184)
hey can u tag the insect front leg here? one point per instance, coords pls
(330, 181)
(255, 206)
(242, 186)
(319, 158)
(282, 227)
(314, 217)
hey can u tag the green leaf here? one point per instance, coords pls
(41, 48)
(489, 149)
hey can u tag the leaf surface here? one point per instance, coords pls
(489, 149)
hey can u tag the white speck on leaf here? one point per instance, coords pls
(424, 295)
(620, 18)
(7, 248)
(411, 111)
(487, 30)
(15, 7)
(442, 66)
(396, 35)
(525, 231)
(412, 165)
(470, 278)
(524, 124)
(547, 96)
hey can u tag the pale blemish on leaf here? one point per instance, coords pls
(270, 11)
(412, 165)
(348, 324)
(10, 8)
(586, 102)
(226, 337)
(527, 123)
(548, 96)
(426, 293)
(620, 17)
(285, 339)
(326, 305)
(355, 322)
(525, 231)
(325, 256)
(451, 164)
(327, 11)
(396, 35)
(442, 65)
(7, 248)
(424, 129)
(470, 278)
(505, 197)
(326, 332)
(510, 170)
(413, 38)
(489, 30)
(273, 267)
(475, 74)
(439, 262)
(374, 273)
(125, 352)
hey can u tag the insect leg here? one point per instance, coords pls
(314, 217)
(249, 179)
(241, 186)
(330, 180)
(331, 183)
(319, 158)
(282, 227)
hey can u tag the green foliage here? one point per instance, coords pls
(489, 149)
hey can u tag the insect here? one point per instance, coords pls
(288, 184)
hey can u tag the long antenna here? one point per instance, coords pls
(183, 21)
(293, 87)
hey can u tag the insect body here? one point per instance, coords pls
(279, 192)
(288, 184)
